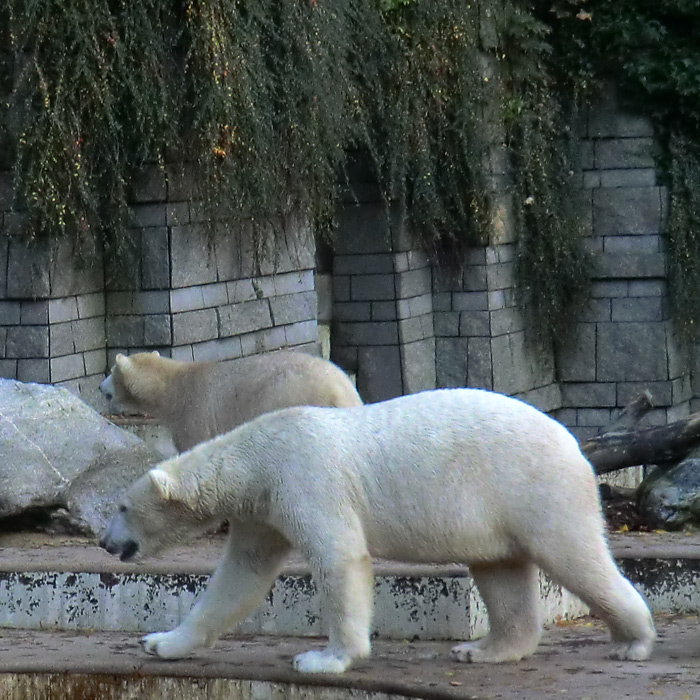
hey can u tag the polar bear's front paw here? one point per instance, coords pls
(637, 650)
(480, 652)
(168, 645)
(321, 662)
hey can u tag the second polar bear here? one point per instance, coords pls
(458, 475)
(198, 400)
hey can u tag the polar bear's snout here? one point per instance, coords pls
(107, 388)
(119, 543)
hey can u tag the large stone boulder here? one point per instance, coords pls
(56, 451)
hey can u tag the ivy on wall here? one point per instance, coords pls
(651, 50)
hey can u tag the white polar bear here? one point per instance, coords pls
(197, 401)
(459, 475)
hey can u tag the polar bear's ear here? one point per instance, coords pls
(156, 353)
(122, 361)
(165, 484)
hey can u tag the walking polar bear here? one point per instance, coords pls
(454, 475)
(197, 401)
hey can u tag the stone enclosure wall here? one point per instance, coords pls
(398, 323)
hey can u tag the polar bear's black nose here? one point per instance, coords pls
(129, 550)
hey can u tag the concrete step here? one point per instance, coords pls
(71, 584)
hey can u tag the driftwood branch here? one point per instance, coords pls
(619, 449)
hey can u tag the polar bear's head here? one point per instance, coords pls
(135, 383)
(156, 512)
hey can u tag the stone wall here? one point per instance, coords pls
(178, 285)
(467, 329)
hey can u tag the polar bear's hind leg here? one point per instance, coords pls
(511, 594)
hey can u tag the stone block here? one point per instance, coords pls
(474, 279)
(245, 317)
(414, 283)
(88, 334)
(416, 328)
(293, 308)
(352, 311)
(442, 301)
(615, 288)
(474, 323)
(607, 123)
(181, 182)
(220, 349)
(148, 185)
(500, 276)
(383, 310)
(577, 361)
(647, 288)
(3, 340)
(682, 390)
(215, 294)
(33, 313)
(362, 229)
(240, 290)
(372, 287)
(414, 306)
(593, 417)
(630, 266)
(264, 287)
(301, 333)
(95, 361)
(345, 357)
(61, 339)
(91, 305)
(7, 191)
(147, 215)
(194, 326)
(624, 153)
(67, 367)
(639, 243)
(631, 352)
(187, 299)
(192, 254)
(294, 282)
(508, 320)
(62, 310)
(263, 341)
(322, 283)
(637, 309)
(373, 333)
(661, 392)
(153, 302)
(446, 324)
(451, 362)
(479, 363)
(379, 373)
(182, 353)
(418, 366)
(34, 371)
(588, 394)
(635, 177)
(155, 259)
(28, 266)
(27, 341)
(627, 210)
(377, 263)
(157, 330)
(125, 331)
(546, 398)
(119, 303)
(8, 369)
(177, 213)
(10, 313)
(123, 265)
(341, 288)
(4, 246)
(470, 301)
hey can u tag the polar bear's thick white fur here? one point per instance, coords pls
(455, 475)
(197, 401)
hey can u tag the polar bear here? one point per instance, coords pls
(199, 400)
(452, 475)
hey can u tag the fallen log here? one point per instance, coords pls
(660, 445)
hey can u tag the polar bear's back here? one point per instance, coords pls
(466, 465)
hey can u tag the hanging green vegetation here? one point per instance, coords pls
(264, 98)
(651, 50)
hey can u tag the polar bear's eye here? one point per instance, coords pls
(122, 508)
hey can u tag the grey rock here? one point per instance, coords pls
(55, 451)
(670, 499)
